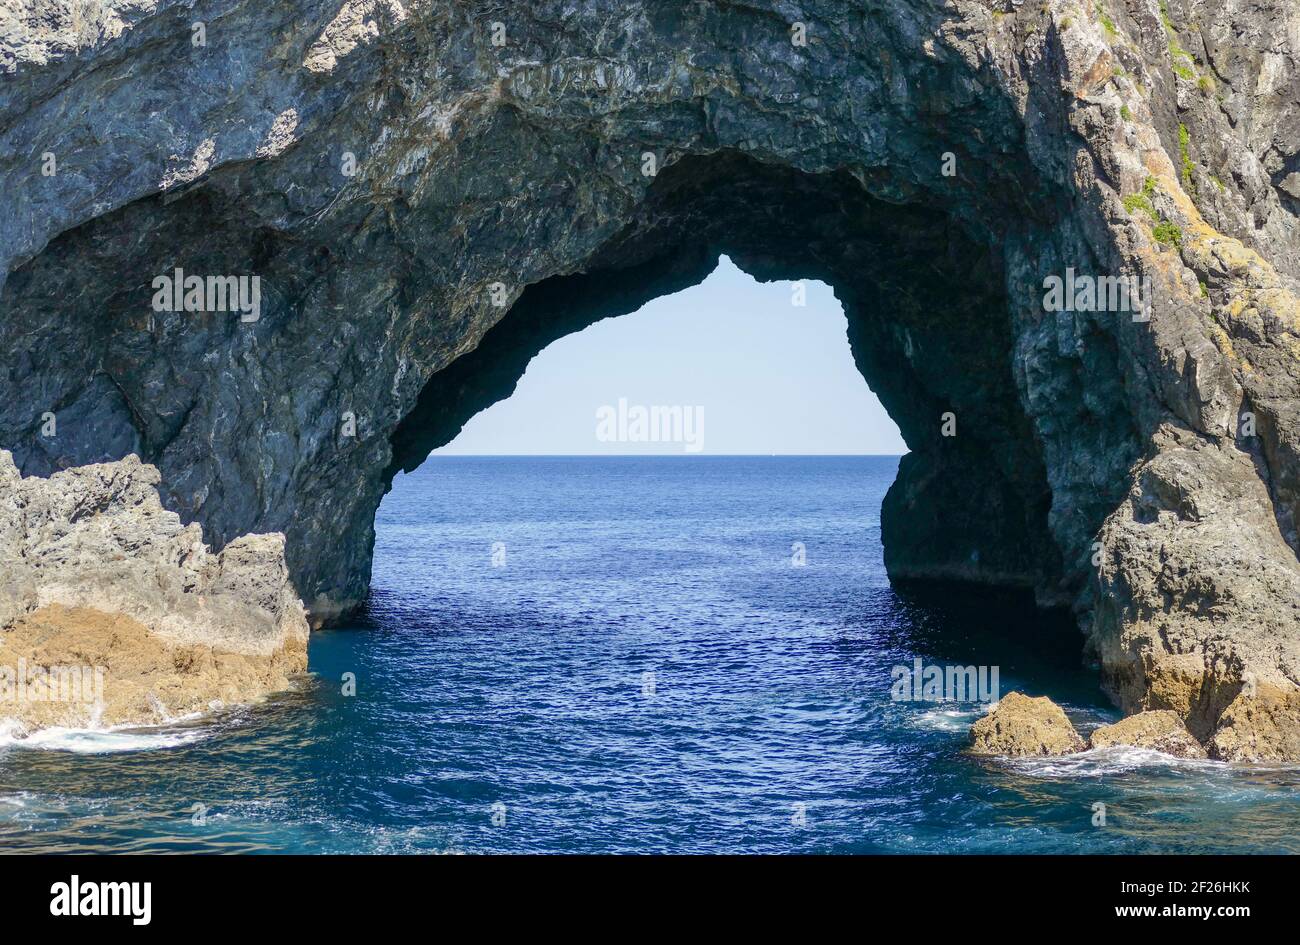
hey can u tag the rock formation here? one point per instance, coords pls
(429, 193)
(1260, 724)
(1161, 731)
(1018, 725)
(96, 575)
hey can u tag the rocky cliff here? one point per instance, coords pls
(428, 193)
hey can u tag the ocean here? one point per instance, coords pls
(633, 655)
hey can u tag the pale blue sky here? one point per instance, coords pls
(769, 376)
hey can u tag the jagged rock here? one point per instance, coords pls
(1158, 730)
(429, 193)
(1020, 725)
(95, 572)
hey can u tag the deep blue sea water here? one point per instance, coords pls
(645, 669)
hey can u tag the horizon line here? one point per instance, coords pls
(661, 455)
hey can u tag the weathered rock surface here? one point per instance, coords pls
(95, 572)
(1263, 725)
(431, 192)
(1160, 730)
(83, 668)
(1019, 725)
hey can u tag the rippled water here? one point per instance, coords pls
(508, 708)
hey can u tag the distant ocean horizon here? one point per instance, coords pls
(591, 654)
(657, 455)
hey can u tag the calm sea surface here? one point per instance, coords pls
(620, 655)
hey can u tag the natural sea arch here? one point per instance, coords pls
(927, 325)
(427, 200)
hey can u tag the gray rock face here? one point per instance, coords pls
(97, 537)
(429, 193)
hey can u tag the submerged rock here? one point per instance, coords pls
(1161, 731)
(1020, 725)
(101, 586)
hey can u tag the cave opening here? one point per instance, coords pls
(728, 367)
(927, 326)
(517, 506)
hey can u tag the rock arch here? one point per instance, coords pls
(381, 166)
(928, 325)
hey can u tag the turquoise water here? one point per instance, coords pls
(508, 708)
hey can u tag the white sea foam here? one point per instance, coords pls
(949, 720)
(1099, 762)
(96, 741)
